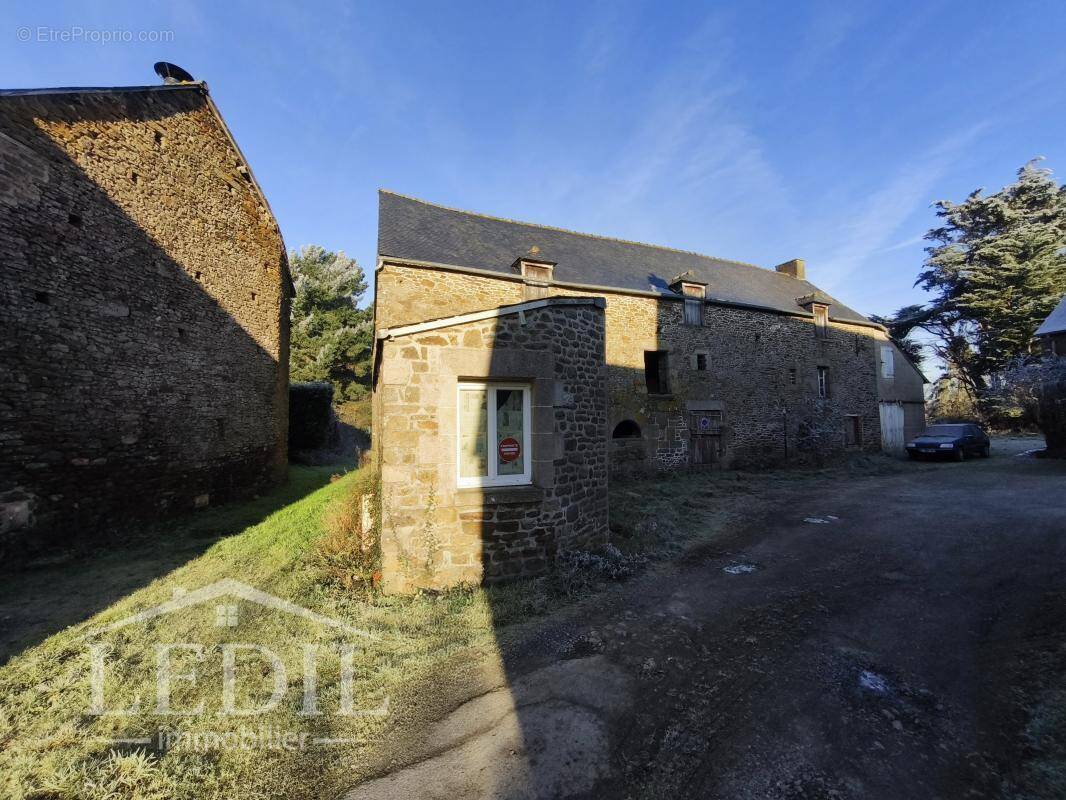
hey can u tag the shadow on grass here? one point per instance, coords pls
(45, 596)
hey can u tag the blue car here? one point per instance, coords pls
(955, 441)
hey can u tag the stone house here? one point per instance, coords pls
(144, 362)
(705, 363)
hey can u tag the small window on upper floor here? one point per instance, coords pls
(701, 362)
(535, 269)
(821, 321)
(888, 362)
(693, 311)
(792, 377)
(656, 372)
(823, 381)
(537, 272)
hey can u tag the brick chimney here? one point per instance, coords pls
(796, 268)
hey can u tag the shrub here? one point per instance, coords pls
(349, 553)
(311, 418)
(579, 572)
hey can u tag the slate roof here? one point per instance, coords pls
(1055, 322)
(415, 230)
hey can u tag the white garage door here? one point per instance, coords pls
(892, 427)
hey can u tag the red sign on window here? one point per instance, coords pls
(509, 450)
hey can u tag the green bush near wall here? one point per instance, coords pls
(311, 419)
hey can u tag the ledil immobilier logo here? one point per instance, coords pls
(248, 670)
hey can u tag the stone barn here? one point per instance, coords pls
(144, 362)
(483, 404)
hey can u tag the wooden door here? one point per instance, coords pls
(706, 450)
(892, 427)
(706, 438)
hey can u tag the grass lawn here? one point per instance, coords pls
(51, 746)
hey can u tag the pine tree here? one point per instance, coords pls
(331, 336)
(997, 267)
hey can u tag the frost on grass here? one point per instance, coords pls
(579, 571)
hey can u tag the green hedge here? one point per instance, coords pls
(311, 419)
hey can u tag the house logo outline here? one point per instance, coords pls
(229, 588)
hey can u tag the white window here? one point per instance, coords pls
(888, 362)
(493, 441)
(823, 381)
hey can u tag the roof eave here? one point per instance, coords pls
(387, 259)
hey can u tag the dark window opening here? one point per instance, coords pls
(158, 138)
(135, 178)
(701, 362)
(853, 431)
(182, 334)
(197, 275)
(74, 219)
(254, 295)
(823, 381)
(792, 377)
(656, 372)
(626, 429)
(42, 297)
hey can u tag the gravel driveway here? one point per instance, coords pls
(899, 636)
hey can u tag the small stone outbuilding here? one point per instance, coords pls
(491, 436)
(145, 306)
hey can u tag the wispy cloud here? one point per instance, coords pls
(877, 219)
(829, 28)
(906, 243)
(690, 153)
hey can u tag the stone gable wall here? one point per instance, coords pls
(434, 534)
(749, 355)
(145, 303)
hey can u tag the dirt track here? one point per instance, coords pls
(897, 651)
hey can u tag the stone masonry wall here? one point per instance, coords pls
(750, 355)
(435, 534)
(144, 360)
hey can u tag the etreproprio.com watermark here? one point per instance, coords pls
(76, 34)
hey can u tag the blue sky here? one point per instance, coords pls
(753, 131)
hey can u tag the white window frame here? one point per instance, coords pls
(492, 479)
(823, 382)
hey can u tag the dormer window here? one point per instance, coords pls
(534, 270)
(537, 275)
(821, 320)
(818, 305)
(695, 293)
